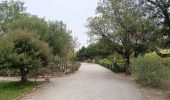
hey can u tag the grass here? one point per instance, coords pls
(12, 90)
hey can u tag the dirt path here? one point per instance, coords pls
(91, 82)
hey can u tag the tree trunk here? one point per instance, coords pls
(23, 72)
(127, 64)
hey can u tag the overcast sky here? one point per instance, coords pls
(74, 13)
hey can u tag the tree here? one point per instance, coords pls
(158, 11)
(9, 10)
(71, 55)
(29, 23)
(14, 17)
(53, 32)
(94, 51)
(118, 24)
(24, 51)
(59, 38)
(82, 54)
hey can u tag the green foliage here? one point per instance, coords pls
(22, 46)
(59, 38)
(72, 55)
(29, 23)
(119, 66)
(13, 16)
(9, 72)
(108, 64)
(24, 51)
(28, 41)
(105, 62)
(9, 11)
(119, 24)
(12, 90)
(94, 51)
(116, 66)
(53, 32)
(82, 54)
(151, 69)
(158, 11)
(66, 66)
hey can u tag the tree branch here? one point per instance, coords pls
(157, 51)
(161, 54)
(154, 3)
(111, 43)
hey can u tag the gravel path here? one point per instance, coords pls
(91, 82)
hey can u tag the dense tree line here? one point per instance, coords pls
(28, 41)
(94, 51)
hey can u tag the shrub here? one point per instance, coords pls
(150, 69)
(72, 55)
(89, 61)
(108, 64)
(119, 66)
(105, 62)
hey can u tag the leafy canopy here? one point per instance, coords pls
(22, 49)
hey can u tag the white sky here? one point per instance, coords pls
(74, 13)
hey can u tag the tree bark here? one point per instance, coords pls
(23, 72)
(127, 64)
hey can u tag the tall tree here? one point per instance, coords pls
(9, 11)
(59, 37)
(158, 11)
(117, 23)
(53, 32)
(94, 51)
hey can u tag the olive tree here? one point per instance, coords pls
(24, 51)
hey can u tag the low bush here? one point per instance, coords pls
(105, 62)
(89, 61)
(117, 66)
(151, 69)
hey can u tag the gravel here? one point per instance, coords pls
(91, 82)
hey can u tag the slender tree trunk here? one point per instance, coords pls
(127, 64)
(23, 72)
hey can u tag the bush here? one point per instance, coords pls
(105, 62)
(117, 66)
(150, 69)
(89, 61)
